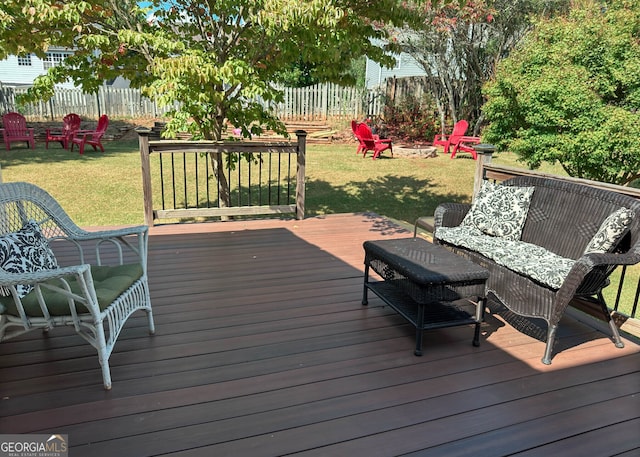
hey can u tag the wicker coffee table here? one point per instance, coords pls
(428, 285)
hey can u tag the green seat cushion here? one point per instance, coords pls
(109, 282)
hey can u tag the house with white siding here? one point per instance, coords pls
(19, 71)
(23, 70)
(406, 65)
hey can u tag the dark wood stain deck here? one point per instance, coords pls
(263, 349)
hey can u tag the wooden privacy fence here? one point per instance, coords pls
(262, 178)
(317, 102)
(415, 86)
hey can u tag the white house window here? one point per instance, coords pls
(54, 59)
(24, 61)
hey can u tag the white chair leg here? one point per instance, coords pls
(106, 375)
(103, 356)
(152, 327)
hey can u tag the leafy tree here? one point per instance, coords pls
(357, 69)
(298, 74)
(459, 45)
(571, 93)
(214, 57)
(214, 60)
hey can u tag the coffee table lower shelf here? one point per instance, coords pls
(431, 315)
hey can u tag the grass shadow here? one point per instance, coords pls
(402, 198)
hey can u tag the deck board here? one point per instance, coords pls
(263, 348)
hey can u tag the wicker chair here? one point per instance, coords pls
(53, 273)
(563, 217)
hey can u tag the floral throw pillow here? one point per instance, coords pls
(500, 210)
(25, 251)
(610, 231)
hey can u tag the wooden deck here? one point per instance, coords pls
(263, 349)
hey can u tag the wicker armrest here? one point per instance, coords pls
(122, 242)
(611, 259)
(590, 273)
(450, 214)
(425, 223)
(12, 279)
(84, 235)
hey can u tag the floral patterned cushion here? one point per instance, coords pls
(500, 210)
(525, 258)
(610, 231)
(457, 235)
(25, 251)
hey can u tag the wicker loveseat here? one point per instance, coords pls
(568, 238)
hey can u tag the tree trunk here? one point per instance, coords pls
(443, 115)
(224, 193)
(218, 168)
(478, 124)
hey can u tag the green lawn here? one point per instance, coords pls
(96, 189)
(99, 189)
(400, 188)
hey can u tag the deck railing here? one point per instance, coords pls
(624, 279)
(255, 178)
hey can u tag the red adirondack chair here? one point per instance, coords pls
(91, 137)
(361, 146)
(70, 126)
(446, 141)
(461, 146)
(15, 129)
(354, 128)
(372, 143)
(456, 140)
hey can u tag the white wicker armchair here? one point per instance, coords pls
(53, 273)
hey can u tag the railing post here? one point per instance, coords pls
(300, 175)
(143, 141)
(485, 152)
